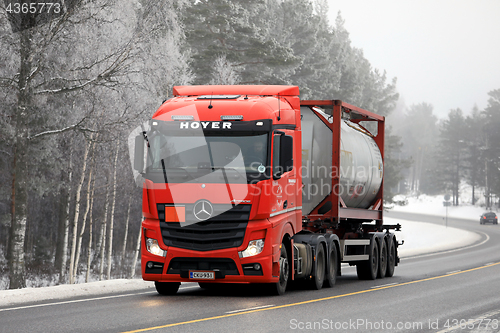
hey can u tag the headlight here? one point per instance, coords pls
(254, 247)
(153, 247)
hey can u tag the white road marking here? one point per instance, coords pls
(454, 271)
(384, 285)
(72, 301)
(255, 308)
(192, 287)
(84, 300)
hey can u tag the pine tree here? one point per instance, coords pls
(475, 141)
(421, 135)
(452, 151)
(216, 28)
(492, 150)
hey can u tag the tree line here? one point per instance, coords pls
(75, 86)
(459, 149)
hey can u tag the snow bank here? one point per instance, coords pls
(28, 295)
(422, 237)
(433, 205)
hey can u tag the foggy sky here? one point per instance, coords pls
(443, 52)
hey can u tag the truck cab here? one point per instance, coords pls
(221, 187)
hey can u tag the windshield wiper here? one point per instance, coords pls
(164, 171)
(173, 168)
(223, 168)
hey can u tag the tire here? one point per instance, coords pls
(331, 276)
(391, 258)
(279, 287)
(316, 283)
(167, 288)
(382, 261)
(368, 270)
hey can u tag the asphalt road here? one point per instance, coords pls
(451, 291)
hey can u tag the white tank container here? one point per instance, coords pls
(361, 165)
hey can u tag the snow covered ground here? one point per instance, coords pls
(433, 205)
(422, 237)
(419, 238)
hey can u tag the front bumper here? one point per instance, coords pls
(225, 263)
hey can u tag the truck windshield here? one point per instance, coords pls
(211, 157)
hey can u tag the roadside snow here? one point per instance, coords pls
(28, 295)
(422, 237)
(433, 205)
(419, 238)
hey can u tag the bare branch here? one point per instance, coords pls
(76, 126)
(8, 82)
(106, 76)
(5, 152)
(67, 89)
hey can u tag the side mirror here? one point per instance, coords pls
(286, 153)
(139, 153)
(282, 154)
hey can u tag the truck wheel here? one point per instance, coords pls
(279, 288)
(391, 259)
(382, 261)
(367, 270)
(319, 275)
(331, 277)
(167, 288)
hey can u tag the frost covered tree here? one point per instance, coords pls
(94, 68)
(52, 60)
(420, 135)
(223, 72)
(234, 30)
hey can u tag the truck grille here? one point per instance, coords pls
(222, 266)
(222, 231)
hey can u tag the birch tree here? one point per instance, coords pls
(91, 223)
(77, 214)
(102, 249)
(82, 229)
(63, 233)
(113, 205)
(136, 254)
(124, 246)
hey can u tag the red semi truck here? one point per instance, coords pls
(249, 184)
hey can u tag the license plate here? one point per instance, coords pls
(202, 275)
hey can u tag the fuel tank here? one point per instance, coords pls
(361, 166)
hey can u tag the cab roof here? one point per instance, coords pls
(261, 90)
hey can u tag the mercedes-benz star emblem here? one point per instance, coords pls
(203, 210)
